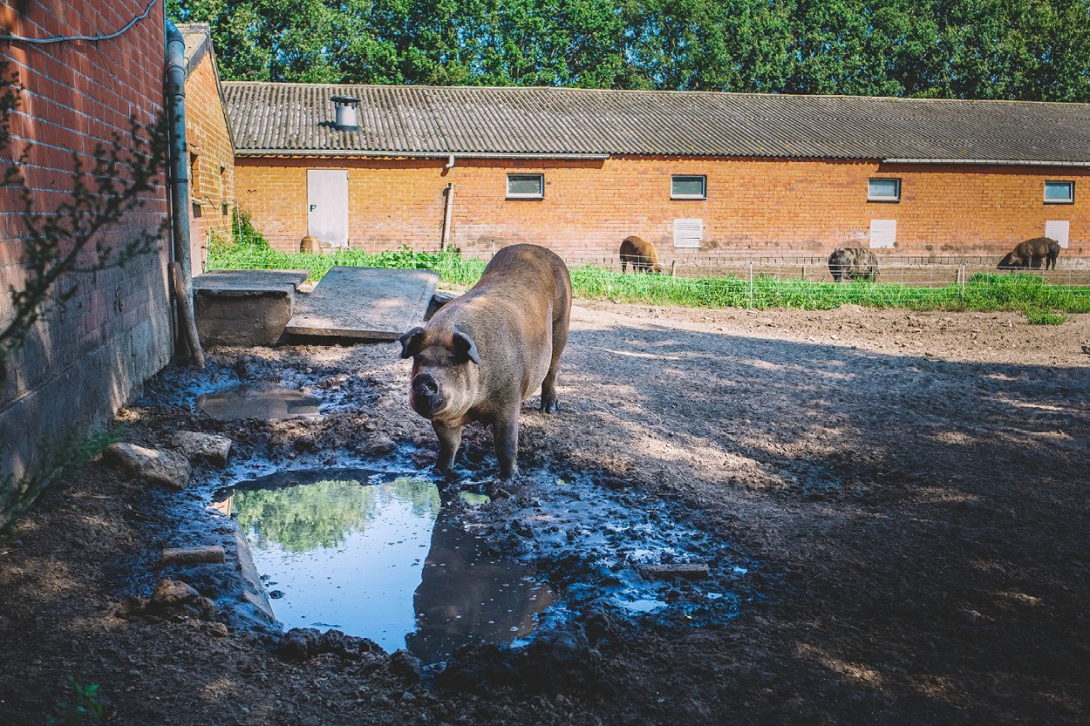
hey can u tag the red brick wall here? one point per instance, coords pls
(752, 205)
(212, 190)
(86, 358)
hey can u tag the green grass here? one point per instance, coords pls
(982, 292)
(1039, 316)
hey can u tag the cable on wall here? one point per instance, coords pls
(92, 38)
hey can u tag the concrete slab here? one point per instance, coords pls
(241, 283)
(364, 303)
(244, 307)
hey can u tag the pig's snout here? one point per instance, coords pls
(426, 398)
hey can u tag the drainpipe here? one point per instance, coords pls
(179, 191)
(446, 218)
(449, 206)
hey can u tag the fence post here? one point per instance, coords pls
(962, 274)
(751, 284)
(673, 268)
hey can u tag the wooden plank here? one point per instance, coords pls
(364, 303)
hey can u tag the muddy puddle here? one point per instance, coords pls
(260, 401)
(380, 556)
(386, 556)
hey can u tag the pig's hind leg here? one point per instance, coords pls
(505, 437)
(549, 400)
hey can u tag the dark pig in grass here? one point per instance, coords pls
(1031, 253)
(853, 263)
(641, 253)
(483, 354)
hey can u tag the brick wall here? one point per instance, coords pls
(87, 358)
(753, 205)
(212, 190)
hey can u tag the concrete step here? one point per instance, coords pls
(364, 303)
(244, 307)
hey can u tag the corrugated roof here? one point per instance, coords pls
(296, 119)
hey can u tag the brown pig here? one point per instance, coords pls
(483, 354)
(1031, 253)
(641, 253)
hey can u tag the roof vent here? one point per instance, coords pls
(347, 115)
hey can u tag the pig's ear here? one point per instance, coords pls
(465, 347)
(410, 342)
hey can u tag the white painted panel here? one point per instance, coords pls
(327, 205)
(688, 233)
(883, 232)
(1058, 230)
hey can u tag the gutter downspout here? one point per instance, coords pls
(449, 207)
(179, 191)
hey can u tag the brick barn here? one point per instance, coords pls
(710, 174)
(211, 148)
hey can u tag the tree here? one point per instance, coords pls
(1016, 49)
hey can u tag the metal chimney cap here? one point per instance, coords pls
(347, 100)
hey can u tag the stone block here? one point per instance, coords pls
(244, 307)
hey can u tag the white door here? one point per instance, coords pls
(327, 205)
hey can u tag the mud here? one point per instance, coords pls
(891, 506)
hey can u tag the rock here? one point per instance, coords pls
(192, 555)
(597, 626)
(405, 665)
(218, 630)
(347, 646)
(130, 607)
(206, 607)
(380, 446)
(684, 570)
(298, 644)
(479, 669)
(158, 467)
(171, 594)
(561, 657)
(199, 447)
(174, 597)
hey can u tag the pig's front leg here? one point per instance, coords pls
(450, 438)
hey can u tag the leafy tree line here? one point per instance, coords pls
(1011, 49)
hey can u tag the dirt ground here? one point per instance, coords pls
(910, 489)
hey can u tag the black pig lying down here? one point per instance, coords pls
(485, 352)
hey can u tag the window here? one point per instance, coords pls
(525, 186)
(688, 233)
(689, 187)
(1059, 192)
(884, 190)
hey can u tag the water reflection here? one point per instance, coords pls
(378, 556)
(262, 402)
(466, 596)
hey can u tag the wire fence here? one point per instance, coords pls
(723, 280)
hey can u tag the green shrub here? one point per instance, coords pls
(247, 235)
(82, 708)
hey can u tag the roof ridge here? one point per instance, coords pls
(662, 92)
